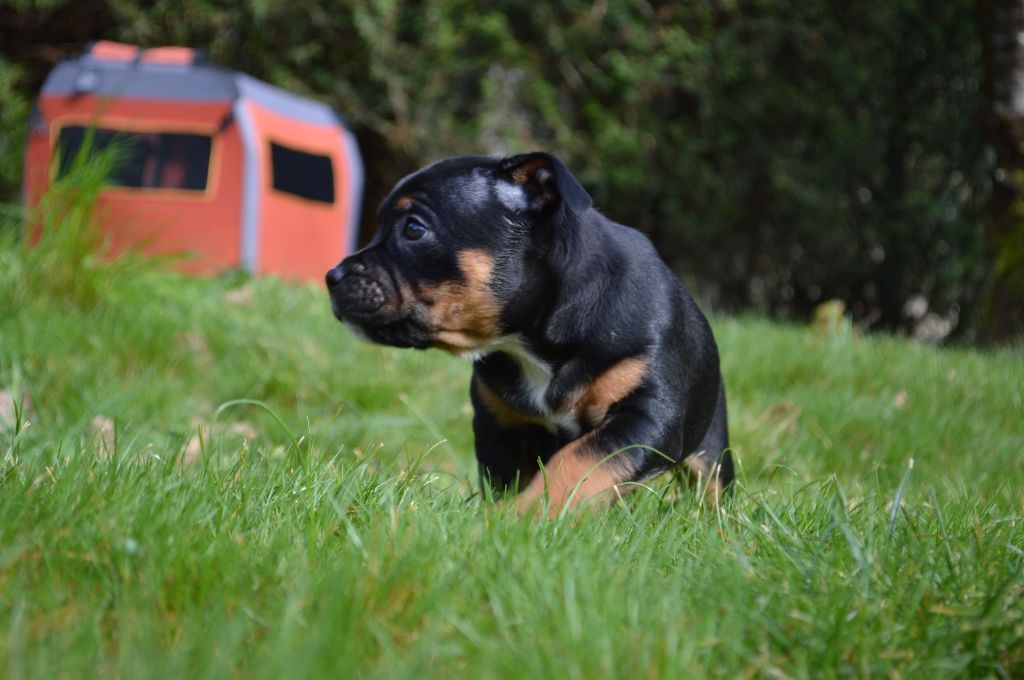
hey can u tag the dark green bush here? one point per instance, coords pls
(780, 153)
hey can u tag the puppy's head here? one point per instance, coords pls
(454, 260)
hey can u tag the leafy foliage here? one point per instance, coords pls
(14, 109)
(779, 153)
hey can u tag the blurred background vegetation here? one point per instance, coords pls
(780, 153)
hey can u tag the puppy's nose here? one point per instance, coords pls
(345, 268)
(334, 277)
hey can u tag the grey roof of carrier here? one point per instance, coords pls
(196, 82)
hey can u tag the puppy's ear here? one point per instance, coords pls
(545, 183)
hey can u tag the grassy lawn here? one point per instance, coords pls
(211, 478)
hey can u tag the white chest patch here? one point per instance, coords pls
(535, 381)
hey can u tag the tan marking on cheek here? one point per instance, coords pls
(404, 203)
(573, 476)
(465, 314)
(505, 415)
(477, 266)
(702, 471)
(592, 401)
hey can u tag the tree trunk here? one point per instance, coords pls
(1001, 28)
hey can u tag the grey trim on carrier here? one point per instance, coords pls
(283, 102)
(140, 80)
(250, 188)
(354, 179)
(179, 82)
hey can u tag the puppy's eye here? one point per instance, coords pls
(414, 230)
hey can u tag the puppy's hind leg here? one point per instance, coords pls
(712, 461)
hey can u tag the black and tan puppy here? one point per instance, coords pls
(584, 343)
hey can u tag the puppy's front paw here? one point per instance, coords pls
(530, 503)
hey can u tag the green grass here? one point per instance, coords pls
(334, 529)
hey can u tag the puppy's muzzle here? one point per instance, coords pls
(353, 293)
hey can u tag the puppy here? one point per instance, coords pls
(593, 369)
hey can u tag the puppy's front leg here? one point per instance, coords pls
(589, 468)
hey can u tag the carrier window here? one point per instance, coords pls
(302, 174)
(144, 160)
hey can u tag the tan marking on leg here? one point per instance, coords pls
(592, 401)
(561, 480)
(505, 415)
(464, 314)
(699, 469)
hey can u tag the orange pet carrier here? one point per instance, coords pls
(212, 162)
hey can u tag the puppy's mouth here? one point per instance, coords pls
(358, 297)
(375, 312)
(402, 332)
(361, 298)
(449, 316)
